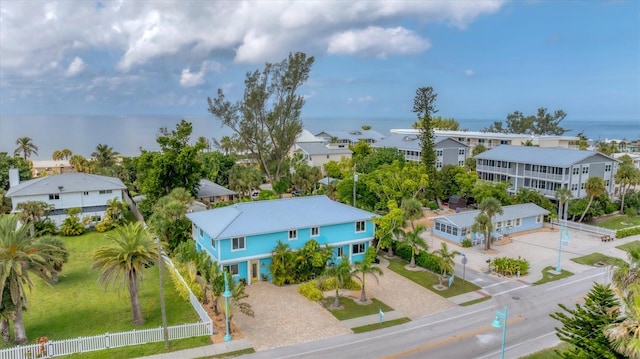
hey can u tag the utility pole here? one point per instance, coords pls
(355, 179)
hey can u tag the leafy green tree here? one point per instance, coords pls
(6, 163)
(583, 141)
(388, 226)
(543, 123)
(445, 259)
(216, 167)
(168, 220)
(82, 164)
(133, 250)
(267, 120)
(626, 177)
(377, 158)
(484, 189)
(20, 256)
(490, 207)
(466, 182)
(72, 225)
(243, 179)
(423, 106)
(26, 147)
(305, 177)
(415, 241)
(397, 180)
(177, 164)
(104, 155)
(595, 188)
(449, 124)
(583, 327)
(341, 272)
(366, 267)
(56, 254)
(447, 183)
(529, 195)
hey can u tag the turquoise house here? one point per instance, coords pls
(515, 218)
(241, 237)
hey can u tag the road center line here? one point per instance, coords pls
(455, 338)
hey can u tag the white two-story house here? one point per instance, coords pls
(69, 190)
(546, 169)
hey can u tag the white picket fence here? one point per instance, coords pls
(115, 340)
(585, 227)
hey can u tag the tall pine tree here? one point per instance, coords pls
(583, 327)
(423, 106)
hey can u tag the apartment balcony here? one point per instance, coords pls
(542, 175)
(493, 169)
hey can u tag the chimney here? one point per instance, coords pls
(14, 177)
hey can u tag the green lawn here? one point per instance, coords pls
(390, 323)
(549, 353)
(352, 310)
(428, 279)
(79, 306)
(547, 276)
(629, 246)
(475, 301)
(593, 258)
(135, 351)
(617, 222)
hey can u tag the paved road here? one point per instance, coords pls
(461, 332)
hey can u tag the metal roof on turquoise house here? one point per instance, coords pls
(524, 210)
(259, 217)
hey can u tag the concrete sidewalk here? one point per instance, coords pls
(372, 319)
(204, 351)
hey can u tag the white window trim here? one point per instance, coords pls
(317, 231)
(358, 244)
(295, 231)
(231, 265)
(244, 244)
(364, 226)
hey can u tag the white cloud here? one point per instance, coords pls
(75, 67)
(469, 73)
(191, 79)
(360, 100)
(377, 41)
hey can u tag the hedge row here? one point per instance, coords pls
(424, 259)
(626, 232)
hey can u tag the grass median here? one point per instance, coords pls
(351, 309)
(598, 260)
(549, 276)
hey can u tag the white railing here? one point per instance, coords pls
(202, 313)
(585, 227)
(105, 341)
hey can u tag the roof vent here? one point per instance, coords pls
(60, 188)
(356, 132)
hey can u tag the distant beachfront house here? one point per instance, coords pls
(88, 192)
(344, 139)
(47, 167)
(516, 218)
(241, 237)
(448, 150)
(210, 192)
(546, 169)
(494, 139)
(316, 151)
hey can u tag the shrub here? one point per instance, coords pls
(402, 250)
(310, 290)
(429, 261)
(466, 243)
(510, 266)
(626, 232)
(330, 284)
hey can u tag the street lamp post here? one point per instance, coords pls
(464, 265)
(500, 321)
(227, 294)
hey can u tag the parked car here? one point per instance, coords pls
(295, 193)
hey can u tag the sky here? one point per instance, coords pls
(484, 58)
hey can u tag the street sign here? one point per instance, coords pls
(464, 260)
(451, 280)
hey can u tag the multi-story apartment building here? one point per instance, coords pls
(448, 150)
(546, 169)
(349, 138)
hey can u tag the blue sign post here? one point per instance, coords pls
(451, 280)
(380, 315)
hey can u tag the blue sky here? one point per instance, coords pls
(485, 59)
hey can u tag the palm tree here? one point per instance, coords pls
(57, 254)
(563, 195)
(625, 333)
(32, 212)
(20, 255)
(416, 242)
(134, 249)
(366, 267)
(412, 209)
(445, 259)
(225, 145)
(281, 264)
(482, 224)
(490, 206)
(26, 147)
(341, 272)
(104, 155)
(626, 176)
(595, 188)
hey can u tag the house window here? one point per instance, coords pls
(358, 248)
(576, 170)
(463, 232)
(293, 234)
(585, 169)
(538, 218)
(54, 196)
(518, 222)
(96, 218)
(315, 231)
(105, 191)
(606, 183)
(460, 163)
(498, 226)
(574, 187)
(461, 151)
(201, 232)
(85, 193)
(237, 244)
(340, 252)
(439, 153)
(581, 185)
(231, 268)
(509, 223)
(438, 164)
(437, 226)
(360, 227)
(213, 243)
(607, 168)
(454, 231)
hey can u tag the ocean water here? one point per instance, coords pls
(127, 134)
